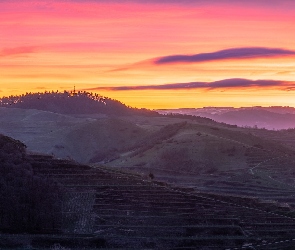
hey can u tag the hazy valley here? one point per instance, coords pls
(271, 118)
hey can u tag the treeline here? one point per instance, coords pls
(28, 202)
(71, 102)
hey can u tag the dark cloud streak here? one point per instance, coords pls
(233, 53)
(234, 83)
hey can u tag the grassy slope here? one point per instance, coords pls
(68, 137)
(200, 146)
(102, 139)
(218, 159)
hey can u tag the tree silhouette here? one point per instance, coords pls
(71, 102)
(28, 202)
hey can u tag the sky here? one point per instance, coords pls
(146, 54)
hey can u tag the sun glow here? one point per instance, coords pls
(55, 45)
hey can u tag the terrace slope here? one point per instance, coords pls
(111, 209)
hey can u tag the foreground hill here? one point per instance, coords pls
(109, 209)
(29, 201)
(71, 103)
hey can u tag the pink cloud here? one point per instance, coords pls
(18, 50)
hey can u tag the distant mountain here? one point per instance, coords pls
(258, 118)
(71, 103)
(273, 118)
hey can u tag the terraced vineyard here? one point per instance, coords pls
(111, 209)
(269, 177)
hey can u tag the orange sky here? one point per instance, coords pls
(92, 44)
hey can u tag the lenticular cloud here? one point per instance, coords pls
(234, 53)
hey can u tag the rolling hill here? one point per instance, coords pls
(105, 208)
(186, 150)
(217, 159)
(80, 139)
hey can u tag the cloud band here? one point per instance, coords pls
(233, 83)
(233, 53)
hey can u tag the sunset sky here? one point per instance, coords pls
(189, 53)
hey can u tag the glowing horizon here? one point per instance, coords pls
(105, 45)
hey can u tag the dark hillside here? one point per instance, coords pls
(29, 202)
(110, 209)
(71, 103)
(119, 210)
